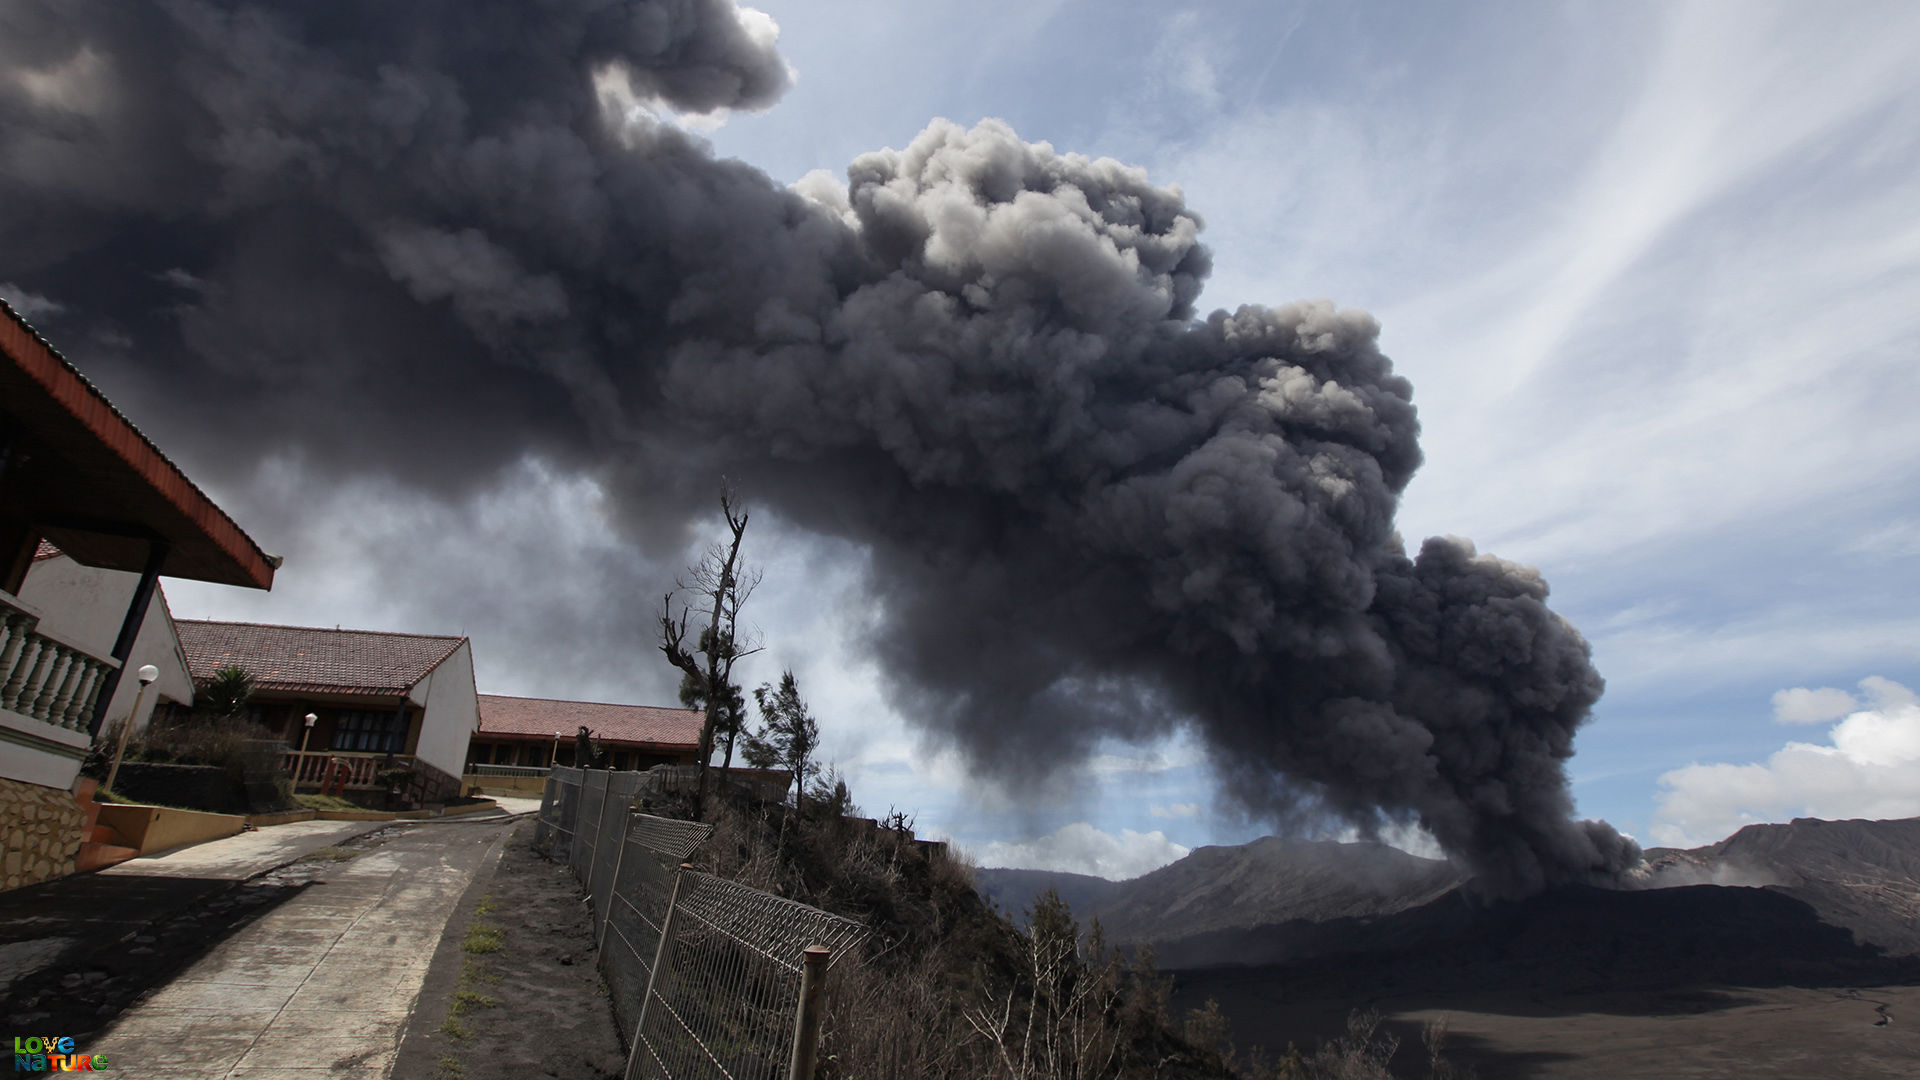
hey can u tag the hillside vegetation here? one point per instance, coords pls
(949, 987)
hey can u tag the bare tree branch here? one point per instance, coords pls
(717, 587)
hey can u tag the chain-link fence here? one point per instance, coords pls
(705, 974)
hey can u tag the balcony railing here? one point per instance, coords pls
(43, 678)
(352, 769)
(508, 770)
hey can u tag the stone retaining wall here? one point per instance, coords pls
(40, 833)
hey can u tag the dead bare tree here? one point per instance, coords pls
(715, 589)
(1074, 991)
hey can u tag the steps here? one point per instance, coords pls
(103, 846)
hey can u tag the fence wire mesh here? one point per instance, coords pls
(586, 827)
(728, 990)
(724, 1002)
(559, 809)
(609, 845)
(650, 857)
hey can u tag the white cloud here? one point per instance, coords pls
(1177, 810)
(1080, 848)
(1802, 706)
(1888, 695)
(1868, 768)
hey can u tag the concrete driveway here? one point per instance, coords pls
(324, 983)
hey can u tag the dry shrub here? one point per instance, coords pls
(895, 1022)
(196, 739)
(946, 988)
(1362, 1053)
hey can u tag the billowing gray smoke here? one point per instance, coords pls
(427, 239)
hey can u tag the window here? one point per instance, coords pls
(371, 732)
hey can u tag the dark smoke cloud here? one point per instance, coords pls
(415, 240)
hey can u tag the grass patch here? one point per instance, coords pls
(326, 802)
(467, 997)
(465, 1001)
(473, 973)
(484, 939)
(333, 854)
(450, 1068)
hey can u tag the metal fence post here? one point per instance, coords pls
(806, 1028)
(653, 976)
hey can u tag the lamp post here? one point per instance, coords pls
(146, 674)
(308, 734)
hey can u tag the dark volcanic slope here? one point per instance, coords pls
(1232, 890)
(1014, 890)
(1862, 875)
(1582, 940)
(1769, 901)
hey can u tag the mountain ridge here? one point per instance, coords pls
(1275, 900)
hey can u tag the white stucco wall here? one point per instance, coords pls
(452, 712)
(85, 605)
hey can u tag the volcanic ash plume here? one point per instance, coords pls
(1092, 512)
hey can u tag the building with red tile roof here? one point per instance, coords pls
(383, 703)
(314, 659)
(532, 731)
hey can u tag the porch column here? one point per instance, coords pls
(130, 630)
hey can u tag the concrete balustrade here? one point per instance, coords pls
(43, 678)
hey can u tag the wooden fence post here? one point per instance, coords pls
(806, 1027)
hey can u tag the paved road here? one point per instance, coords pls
(58, 924)
(323, 984)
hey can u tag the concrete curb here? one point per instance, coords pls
(421, 1042)
(469, 820)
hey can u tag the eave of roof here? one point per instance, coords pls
(58, 405)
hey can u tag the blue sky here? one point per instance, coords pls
(1653, 269)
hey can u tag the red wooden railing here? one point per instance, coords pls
(331, 769)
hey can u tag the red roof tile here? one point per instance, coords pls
(510, 716)
(311, 659)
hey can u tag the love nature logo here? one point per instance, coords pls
(52, 1053)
